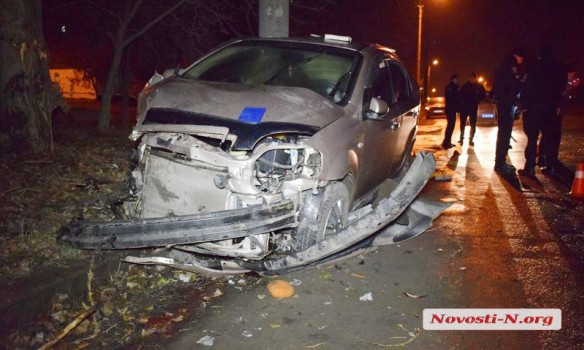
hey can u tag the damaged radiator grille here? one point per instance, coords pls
(174, 187)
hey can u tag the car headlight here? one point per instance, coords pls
(281, 164)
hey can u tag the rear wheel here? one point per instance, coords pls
(322, 215)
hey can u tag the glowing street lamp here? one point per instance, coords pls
(435, 62)
(420, 7)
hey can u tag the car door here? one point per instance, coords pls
(405, 104)
(379, 130)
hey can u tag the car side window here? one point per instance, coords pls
(381, 84)
(401, 88)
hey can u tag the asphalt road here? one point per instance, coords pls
(503, 243)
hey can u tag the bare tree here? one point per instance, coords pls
(124, 35)
(169, 34)
(27, 95)
(207, 23)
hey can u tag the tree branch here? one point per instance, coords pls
(153, 22)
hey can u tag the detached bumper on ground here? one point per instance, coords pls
(187, 229)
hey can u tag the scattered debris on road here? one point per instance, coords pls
(415, 296)
(206, 340)
(366, 297)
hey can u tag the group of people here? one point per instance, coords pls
(540, 94)
(464, 100)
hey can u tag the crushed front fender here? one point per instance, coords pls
(387, 211)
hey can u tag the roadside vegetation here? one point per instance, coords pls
(60, 297)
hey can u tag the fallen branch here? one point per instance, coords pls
(89, 279)
(9, 190)
(38, 162)
(460, 248)
(82, 316)
(413, 336)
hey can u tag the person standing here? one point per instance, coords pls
(471, 94)
(540, 100)
(452, 106)
(507, 84)
(550, 142)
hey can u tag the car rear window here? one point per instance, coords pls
(328, 71)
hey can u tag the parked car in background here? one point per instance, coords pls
(435, 107)
(487, 112)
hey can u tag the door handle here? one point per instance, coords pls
(394, 125)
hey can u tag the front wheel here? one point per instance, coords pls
(322, 215)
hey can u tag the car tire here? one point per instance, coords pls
(322, 215)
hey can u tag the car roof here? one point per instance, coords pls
(326, 40)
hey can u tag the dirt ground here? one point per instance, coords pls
(46, 286)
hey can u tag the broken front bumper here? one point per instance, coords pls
(381, 225)
(188, 229)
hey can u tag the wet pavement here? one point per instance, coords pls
(504, 243)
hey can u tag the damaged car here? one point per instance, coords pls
(265, 146)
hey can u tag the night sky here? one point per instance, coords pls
(466, 35)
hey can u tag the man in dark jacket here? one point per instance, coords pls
(452, 106)
(471, 94)
(508, 81)
(549, 144)
(540, 100)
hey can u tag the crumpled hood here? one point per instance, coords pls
(228, 101)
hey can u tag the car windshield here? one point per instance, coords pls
(328, 71)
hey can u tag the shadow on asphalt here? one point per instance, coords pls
(513, 180)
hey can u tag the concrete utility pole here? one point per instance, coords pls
(274, 18)
(419, 61)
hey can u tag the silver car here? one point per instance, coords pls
(268, 144)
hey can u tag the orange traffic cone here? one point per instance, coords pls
(578, 184)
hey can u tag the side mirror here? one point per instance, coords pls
(378, 108)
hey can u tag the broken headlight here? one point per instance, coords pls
(285, 162)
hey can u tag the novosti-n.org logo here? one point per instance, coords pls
(492, 319)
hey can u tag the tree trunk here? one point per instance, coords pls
(27, 95)
(125, 84)
(110, 87)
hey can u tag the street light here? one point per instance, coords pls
(419, 61)
(435, 62)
